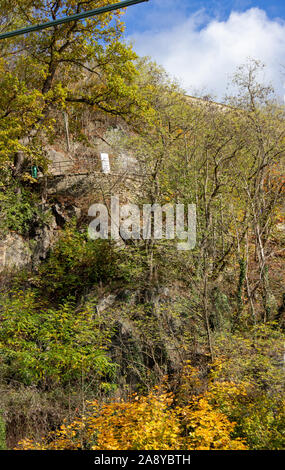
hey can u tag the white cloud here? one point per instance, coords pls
(204, 56)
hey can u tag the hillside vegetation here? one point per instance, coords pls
(115, 344)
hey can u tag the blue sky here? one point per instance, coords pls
(157, 14)
(201, 43)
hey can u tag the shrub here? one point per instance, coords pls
(19, 211)
(149, 422)
(45, 346)
(253, 359)
(76, 263)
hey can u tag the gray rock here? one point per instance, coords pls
(44, 239)
(15, 252)
(106, 302)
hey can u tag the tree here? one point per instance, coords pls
(74, 64)
(227, 160)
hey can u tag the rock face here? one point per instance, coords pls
(15, 252)
(106, 302)
(60, 162)
(147, 336)
(43, 240)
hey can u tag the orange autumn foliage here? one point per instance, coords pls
(151, 422)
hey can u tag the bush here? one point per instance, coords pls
(253, 359)
(19, 211)
(44, 346)
(76, 263)
(149, 422)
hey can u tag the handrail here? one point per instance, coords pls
(67, 19)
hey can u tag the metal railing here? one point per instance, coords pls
(67, 19)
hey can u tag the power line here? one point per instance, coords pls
(67, 19)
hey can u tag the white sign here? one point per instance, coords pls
(105, 163)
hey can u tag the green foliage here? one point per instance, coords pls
(47, 71)
(220, 317)
(45, 346)
(254, 359)
(19, 210)
(226, 160)
(2, 433)
(76, 263)
(21, 107)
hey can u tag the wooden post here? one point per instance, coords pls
(66, 126)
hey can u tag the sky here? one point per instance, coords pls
(201, 43)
